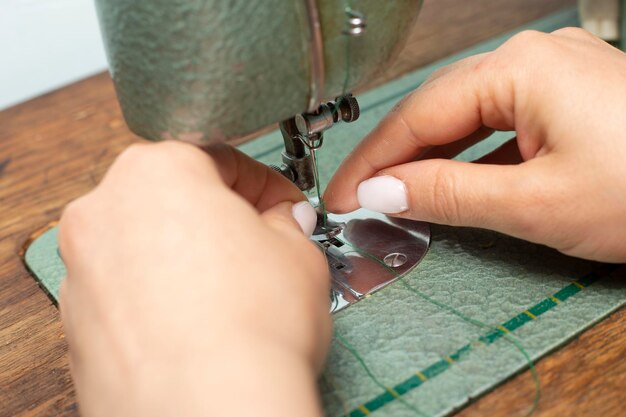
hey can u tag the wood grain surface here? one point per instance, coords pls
(56, 147)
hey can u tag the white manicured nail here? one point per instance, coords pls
(384, 194)
(305, 215)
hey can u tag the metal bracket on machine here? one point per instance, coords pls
(303, 135)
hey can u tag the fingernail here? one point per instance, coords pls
(305, 215)
(384, 194)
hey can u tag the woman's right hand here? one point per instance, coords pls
(561, 182)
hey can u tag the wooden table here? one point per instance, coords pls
(56, 147)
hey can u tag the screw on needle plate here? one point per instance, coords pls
(395, 259)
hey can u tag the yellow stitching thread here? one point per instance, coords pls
(393, 392)
(529, 314)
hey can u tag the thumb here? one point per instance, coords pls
(300, 216)
(455, 193)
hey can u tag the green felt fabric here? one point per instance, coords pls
(486, 276)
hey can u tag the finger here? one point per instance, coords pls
(454, 193)
(462, 63)
(453, 149)
(259, 184)
(506, 154)
(441, 112)
(287, 216)
(215, 165)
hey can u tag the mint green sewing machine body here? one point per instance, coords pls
(420, 352)
(202, 70)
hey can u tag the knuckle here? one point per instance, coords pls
(70, 226)
(71, 213)
(445, 202)
(525, 40)
(537, 201)
(158, 156)
(132, 154)
(574, 32)
(176, 149)
(137, 157)
(183, 155)
(524, 47)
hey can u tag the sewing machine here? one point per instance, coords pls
(216, 71)
(207, 71)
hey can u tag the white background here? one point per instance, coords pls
(45, 44)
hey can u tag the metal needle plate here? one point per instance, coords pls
(366, 251)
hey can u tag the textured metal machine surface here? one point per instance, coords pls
(203, 70)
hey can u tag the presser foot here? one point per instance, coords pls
(366, 251)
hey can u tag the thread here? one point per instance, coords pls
(508, 337)
(346, 84)
(371, 375)
(400, 279)
(321, 207)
